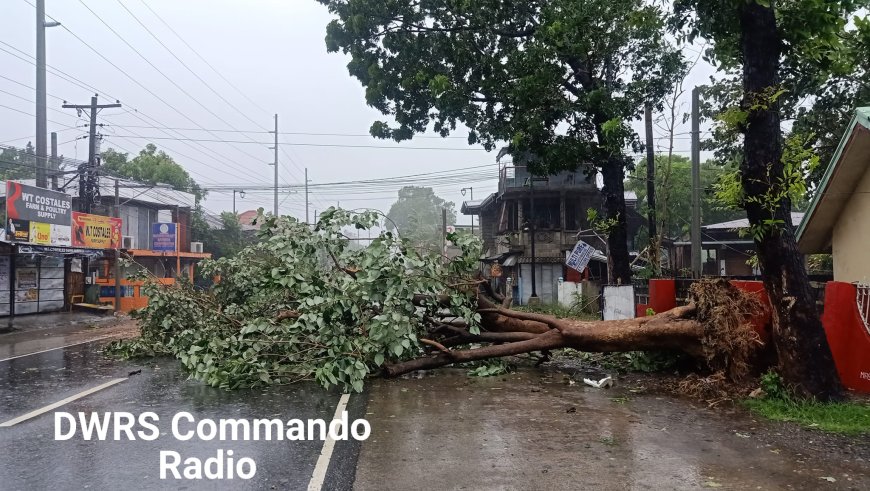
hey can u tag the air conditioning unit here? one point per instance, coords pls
(196, 247)
(128, 242)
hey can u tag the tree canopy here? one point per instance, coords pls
(559, 80)
(17, 163)
(151, 166)
(417, 215)
(226, 241)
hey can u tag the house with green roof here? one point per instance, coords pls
(838, 219)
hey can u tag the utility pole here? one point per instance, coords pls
(651, 192)
(41, 107)
(117, 214)
(306, 195)
(276, 165)
(533, 298)
(55, 164)
(696, 184)
(88, 181)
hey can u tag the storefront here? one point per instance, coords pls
(40, 279)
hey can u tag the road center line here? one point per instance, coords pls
(53, 349)
(43, 410)
(322, 465)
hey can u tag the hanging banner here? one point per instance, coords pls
(38, 215)
(163, 237)
(95, 231)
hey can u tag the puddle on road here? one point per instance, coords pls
(530, 430)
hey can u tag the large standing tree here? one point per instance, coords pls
(417, 215)
(775, 46)
(560, 80)
(151, 166)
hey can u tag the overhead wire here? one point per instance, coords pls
(195, 52)
(125, 73)
(171, 80)
(135, 113)
(186, 66)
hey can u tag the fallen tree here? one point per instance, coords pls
(302, 305)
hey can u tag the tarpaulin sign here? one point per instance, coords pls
(18, 230)
(163, 237)
(579, 257)
(96, 231)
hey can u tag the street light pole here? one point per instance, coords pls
(471, 190)
(241, 195)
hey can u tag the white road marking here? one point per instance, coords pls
(53, 349)
(319, 475)
(43, 410)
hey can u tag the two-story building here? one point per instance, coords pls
(561, 202)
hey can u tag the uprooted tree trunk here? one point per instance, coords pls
(714, 328)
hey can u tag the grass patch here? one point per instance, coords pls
(558, 311)
(845, 417)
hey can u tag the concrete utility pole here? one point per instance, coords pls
(55, 164)
(651, 192)
(88, 181)
(276, 165)
(533, 298)
(41, 106)
(306, 195)
(117, 214)
(696, 184)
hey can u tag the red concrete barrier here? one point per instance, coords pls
(662, 295)
(847, 335)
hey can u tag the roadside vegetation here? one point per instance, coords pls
(777, 403)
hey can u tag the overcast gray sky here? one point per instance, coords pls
(271, 50)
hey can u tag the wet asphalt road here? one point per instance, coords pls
(32, 459)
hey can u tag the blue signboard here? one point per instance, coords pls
(163, 237)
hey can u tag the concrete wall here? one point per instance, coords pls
(583, 291)
(618, 302)
(851, 238)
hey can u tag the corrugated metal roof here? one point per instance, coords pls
(158, 195)
(796, 217)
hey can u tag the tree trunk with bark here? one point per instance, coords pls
(619, 263)
(715, 329)
(805, 360)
